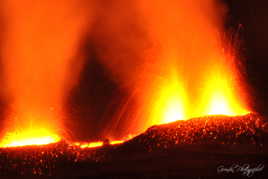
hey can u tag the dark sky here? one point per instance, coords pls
(253, 16)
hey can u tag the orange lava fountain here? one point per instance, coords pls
(174, 57)
(194, 71)
(40, 42)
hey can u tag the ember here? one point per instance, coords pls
(29, 137)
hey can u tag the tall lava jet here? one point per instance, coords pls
(197, 63)
(40, 61)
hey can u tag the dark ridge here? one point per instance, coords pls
(187, 149)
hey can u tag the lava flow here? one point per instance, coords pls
(29, 137)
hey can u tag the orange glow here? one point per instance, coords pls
(87, 144)
(39, 46)
(217, 97)
(96, 144)
(221, 99)
(170, 102)
(29, 137)
(116, 142)
(194, 68)
(218, 94)
(91, 145)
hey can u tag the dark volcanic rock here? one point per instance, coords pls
(247, 130)
(187, 149)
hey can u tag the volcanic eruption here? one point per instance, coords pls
(197, 65)
(181, 98)
(184, 65)
(39, 49)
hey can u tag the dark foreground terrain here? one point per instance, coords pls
(208, 147)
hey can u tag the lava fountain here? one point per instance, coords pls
(173, 57)
(196, 64)
(40, 43)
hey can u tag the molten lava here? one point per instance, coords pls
(218, 96)
(28, 137)
(91, 145)
(222, 98)
(170, 102)
(194, 64)
(39, 46)
(97, 144)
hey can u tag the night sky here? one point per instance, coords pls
(253, 16)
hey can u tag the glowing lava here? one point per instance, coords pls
(193, 61)
(97, 144)
(38, 52)
(29, 137)
(222, 100)
(91, 145)
(217, 96)
(170, 102)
